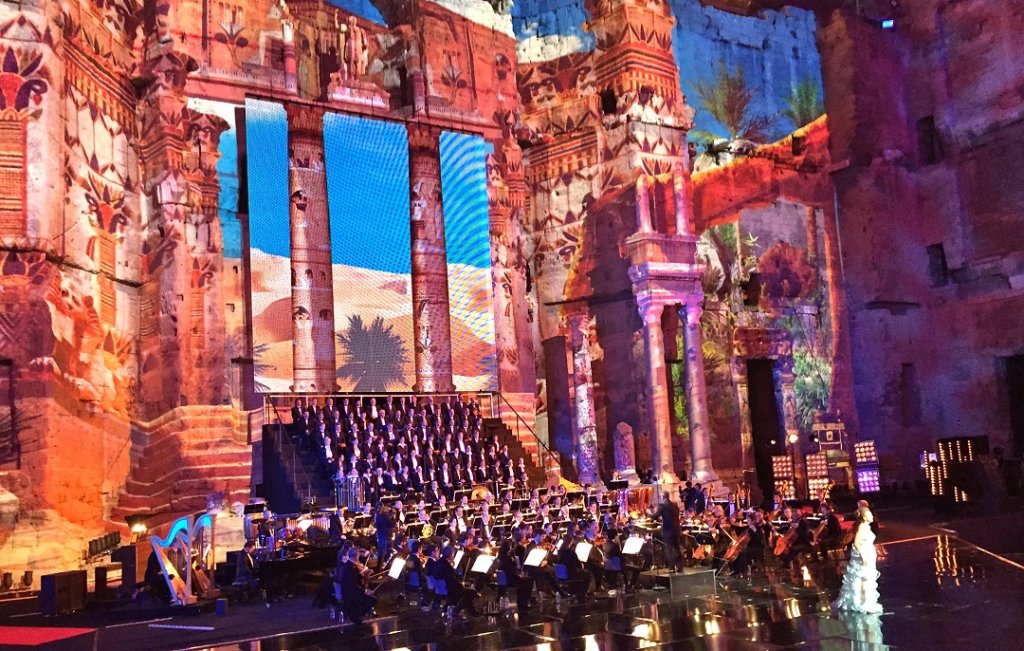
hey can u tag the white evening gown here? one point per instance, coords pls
(860, 583)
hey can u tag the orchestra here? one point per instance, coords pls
(539, 542)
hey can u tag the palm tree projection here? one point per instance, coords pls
(804, 104)
(730, 101)
(374, 357)
(259, 368)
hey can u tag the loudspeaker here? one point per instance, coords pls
(62, 593)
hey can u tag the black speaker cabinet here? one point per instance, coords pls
(63, 592)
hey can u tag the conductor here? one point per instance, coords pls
(671, 532)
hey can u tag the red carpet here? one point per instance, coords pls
(36, 635)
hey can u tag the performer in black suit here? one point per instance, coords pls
(356, 600)
(459, 596)
(671, 532)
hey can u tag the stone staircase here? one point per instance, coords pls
(291, 474)
(503, 434)
(181, 457)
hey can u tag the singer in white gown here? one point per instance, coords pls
(860, 583)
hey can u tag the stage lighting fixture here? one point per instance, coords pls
(793, 438)
(137, 526)
(888, 23)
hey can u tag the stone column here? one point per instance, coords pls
(657, 391)
(586, 427)
(696, 396)
(164, 339)
(643, 205)
(680, 193)
(785, 379)
(739, 376)
(291, 77)
(430, 309)
(625, 454)
(314, 364)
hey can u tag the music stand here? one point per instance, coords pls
(618, 485)
(583, 550)
(535, 557)
(633, 545)
(483, 564)
(397, 565)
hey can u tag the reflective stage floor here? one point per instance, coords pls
(939, 593)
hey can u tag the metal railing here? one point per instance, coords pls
(487, 400)
(545, 453)
(297, 466)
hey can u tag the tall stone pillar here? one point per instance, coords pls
(164, 338)
(314, 365)
(643, 204)
(657, 391)
(586, 425)
(785, 380)
(205, 244)
(696, 395)
(291, 77)
(430, 309)
(739, 377)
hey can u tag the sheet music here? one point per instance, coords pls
(482, 564)
(397, 566)
(536, 557)
(633, 545)
(583, 551)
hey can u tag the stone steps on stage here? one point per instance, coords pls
(183, 456)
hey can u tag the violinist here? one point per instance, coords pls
(753, 539)
(357, 600)
(509, 564)
(578, 576)
(543, 576)
(459, 597)
(595, 562)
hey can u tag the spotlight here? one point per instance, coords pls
(137, 525)
(888, 23)
(793, 438)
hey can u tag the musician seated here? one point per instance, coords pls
(414, 565)
(595, 560)
(357, 600)
(246, 576)
(752, 540)
(801, 544)
(544, 575)
(832, 536)
(579, 578)
(459, 596)
(508, 563)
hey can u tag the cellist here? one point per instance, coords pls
(752, 540)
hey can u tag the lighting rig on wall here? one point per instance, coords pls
(865, 457)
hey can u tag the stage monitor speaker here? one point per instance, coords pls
(62, 592)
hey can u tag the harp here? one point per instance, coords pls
(186, 557)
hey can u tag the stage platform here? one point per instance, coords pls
(690, 582)
(938, 593)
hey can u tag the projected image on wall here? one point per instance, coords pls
(332, 293)
(266, 127)
(467, 233)
(368, 196)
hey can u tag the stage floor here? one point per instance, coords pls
(938, 592)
